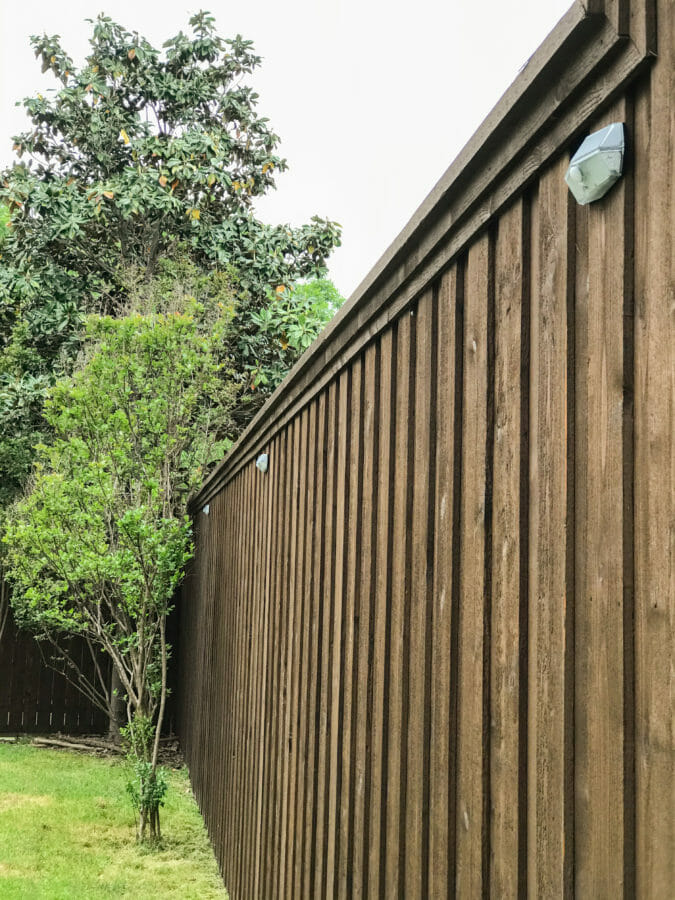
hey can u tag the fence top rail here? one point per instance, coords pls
(590, 55)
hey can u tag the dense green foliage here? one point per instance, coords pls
(138, 152)
(278, 334)
(139, 149)
(99, 543)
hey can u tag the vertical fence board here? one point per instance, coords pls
(377, 757)
(342, 630)
(298, 648)
(266, 528)
(276, 487)
(399, 586)
(439, 774)
(290, 652)
(471, 745)
(328, 594)
(314, 684)
(361, 699)
(250, 643)
(417, 822)
(599, 620)
(269, 839)
(305, 682)
(507, 578)
(550, 681)
(655, 470)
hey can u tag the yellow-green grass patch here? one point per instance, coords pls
(67, 831)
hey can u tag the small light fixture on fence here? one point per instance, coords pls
(597, 164)
(262, 462)
(205, 510)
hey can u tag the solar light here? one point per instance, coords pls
(597, 164)
(262, 462)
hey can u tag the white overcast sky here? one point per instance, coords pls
(373, 99)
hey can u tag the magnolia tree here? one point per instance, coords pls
(136, 150)
(99, 542)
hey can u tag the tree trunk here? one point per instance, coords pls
(117, 707)
(4, 604)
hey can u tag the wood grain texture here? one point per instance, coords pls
(306, 599)
(550, 679)
(655, 469)
(421, 579)
(471, 747)
(507, 578)
(361, 697)
(381, 621)
(328, 593)
(599, 557)
(314, 683)
(439, 764)
(346, 638)
(341, 632)
(399, 587)
(296, 650)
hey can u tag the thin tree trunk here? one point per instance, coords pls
(4, 604)
(117, 706)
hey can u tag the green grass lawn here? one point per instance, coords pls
(67, 832)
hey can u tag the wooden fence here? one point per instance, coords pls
(429, 653)
(36, 699)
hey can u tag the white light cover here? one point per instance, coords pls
(597, 164)
(262, 462)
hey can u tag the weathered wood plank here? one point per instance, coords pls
(291, 654)
(349, 480)
(423, 476)
(328, 599)
(599, 614)
(316, 656)
(266, 528)
(308, 615)
(655, 469)
(440, 834)
(361, 699)
(383, 563)
(470, 835)
(550, 629)
(399, 587)
(269, 838)
(508, 603)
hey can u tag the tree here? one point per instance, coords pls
(100, 541)
(137, 151)
(278, 335)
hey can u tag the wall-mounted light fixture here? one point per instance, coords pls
(597, 164)
(205, 509)
(262, 462)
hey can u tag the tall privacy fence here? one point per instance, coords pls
(428, 653)
(37, 699)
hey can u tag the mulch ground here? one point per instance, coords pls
(95, 745)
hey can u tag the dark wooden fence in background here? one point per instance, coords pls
(430, 652)
(34, 698)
